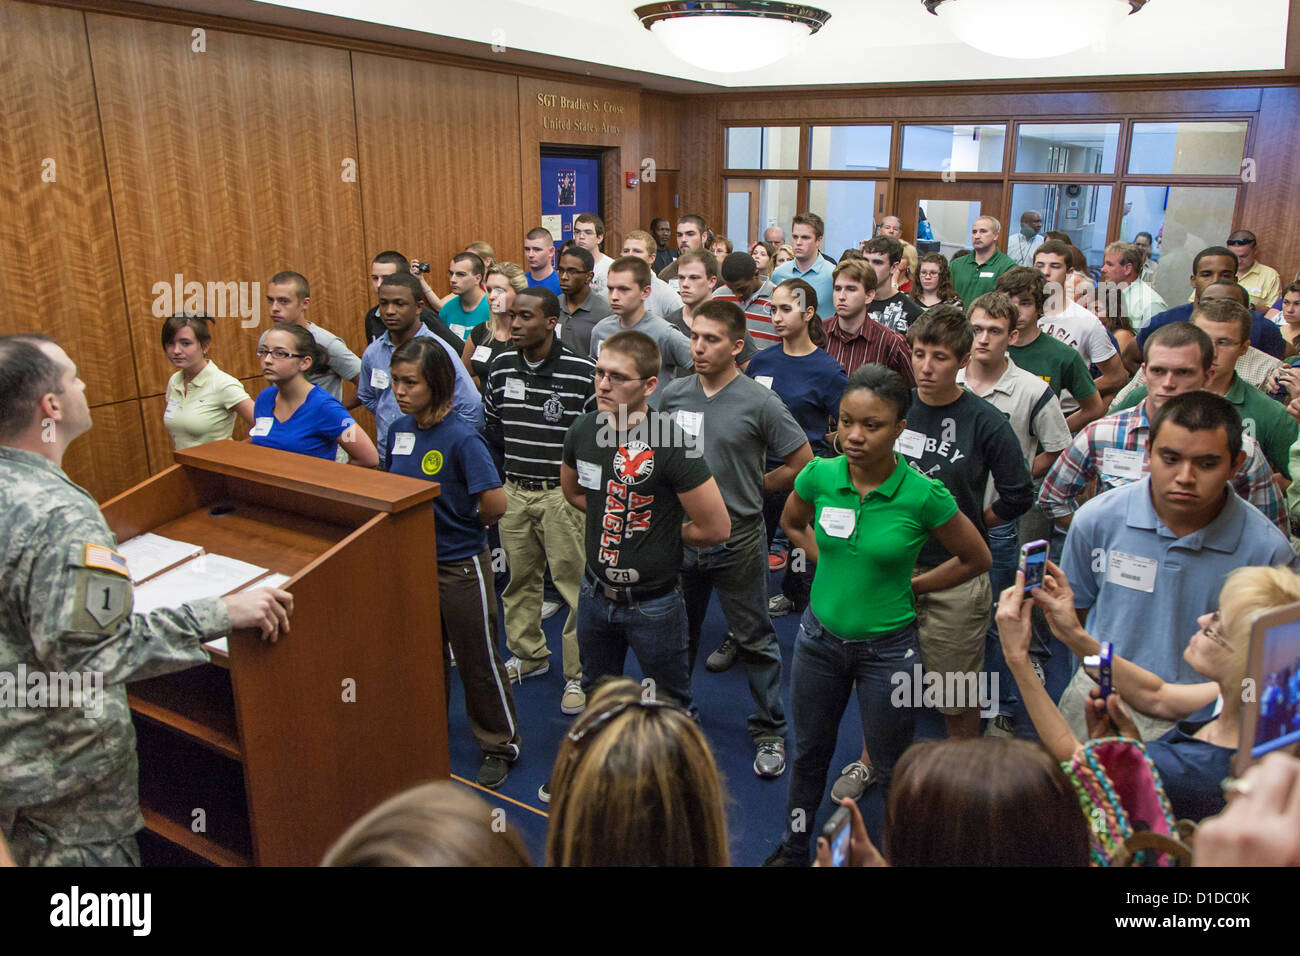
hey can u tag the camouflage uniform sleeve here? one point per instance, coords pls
(79, 604)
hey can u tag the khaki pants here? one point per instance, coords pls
(1075, 697)
(540, 528)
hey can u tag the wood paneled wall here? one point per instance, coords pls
(132, 156)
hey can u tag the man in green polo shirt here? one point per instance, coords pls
(1227, 323)
(977, 273)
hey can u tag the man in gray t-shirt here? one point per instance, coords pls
(288, 296)
(628, 285)
(738, 424)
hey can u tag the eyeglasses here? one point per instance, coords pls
(615, 378)
(592, 726)
(1241, 242)
(1214, 632)
(1226, 343)
(280, 354)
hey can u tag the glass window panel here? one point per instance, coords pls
(950, 222)
(961, 149)
(755, 204)
(1193, 149)
(763, 147)
(849, 209)
(1067, 148)
(1184, 220)
(850, 147)
(1081, 212)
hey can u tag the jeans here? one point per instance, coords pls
(737, 568)
(796, 582)
(655, 630)
(826, 671)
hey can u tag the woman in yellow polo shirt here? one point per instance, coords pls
(202, 400)
(862, 519)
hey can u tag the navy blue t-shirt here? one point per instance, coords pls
(457, 457)
(810, 385)
(313, 429)
(1192, 770)
(1264, 335)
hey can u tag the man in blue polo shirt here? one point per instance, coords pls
(806, 238)
(1146, 560)
(399, 309)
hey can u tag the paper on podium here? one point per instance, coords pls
(147, 554)
(208, 575)
(273, 580)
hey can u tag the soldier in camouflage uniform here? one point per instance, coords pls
(68, 774)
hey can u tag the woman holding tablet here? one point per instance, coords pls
(429, 443)
(202, 400)
(292, 414)
(862, 518)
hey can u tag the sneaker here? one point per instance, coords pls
(493, 771)
(452, 654)
(999, 726)
(853, 782)
(544, 792)
(780, 606)
(776, 560)
(784, 856)
(550, 609)
(518, 671)
(574, 700)
(1038, 671)
(722, 659)
(769, 762)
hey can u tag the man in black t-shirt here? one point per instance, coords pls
(636, 474)
(893, 310)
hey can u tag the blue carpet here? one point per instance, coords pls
(756, 807)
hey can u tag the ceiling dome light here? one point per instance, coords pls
(1033, 29)
(731, 36)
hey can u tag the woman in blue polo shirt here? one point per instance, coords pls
(1195, 755)
(429, 443)
(292, 414)
(863, 518)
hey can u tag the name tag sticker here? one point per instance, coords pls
(1122, 463)
(764, 380)
(588, 475)
(378, 378)
(403, 443)
(910, 443)
(481, 354)
(837, 522)
(689, 422)
(987, 275)
(261, 426)
(515, 388)
(1132, 571)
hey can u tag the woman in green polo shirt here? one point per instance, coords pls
(202, 400)
(863, 517)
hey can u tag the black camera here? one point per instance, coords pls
(421, 266)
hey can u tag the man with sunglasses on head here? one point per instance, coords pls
(1261, 281)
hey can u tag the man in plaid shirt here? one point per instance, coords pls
(1112, 450)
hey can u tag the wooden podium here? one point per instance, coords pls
(261, 757)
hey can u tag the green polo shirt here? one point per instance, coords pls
(1262, 418)
(869, 546)
(971, 281)
(1060, 366)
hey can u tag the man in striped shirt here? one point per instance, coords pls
(535, 391)
(1112, 450)
(753, 293)
(851, 339)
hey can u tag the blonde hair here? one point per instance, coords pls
(638, 788)
(514, 275)
(909, 253)
(783, 247)
(651, 243)
(483, 251)
(437, 824)
(1249, 593)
